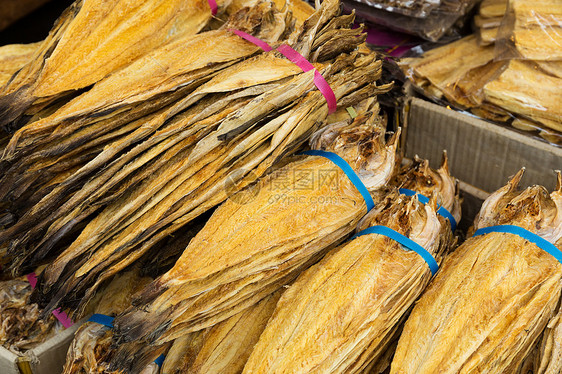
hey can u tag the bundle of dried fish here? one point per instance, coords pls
(185, 166)
(494, 295)
(21, 328)
(90, 350)
(103, 142)
(361, 291)
(264, 243)
(227, 345)
(92, 40)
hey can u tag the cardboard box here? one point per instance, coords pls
(46, 358)
(482, 155)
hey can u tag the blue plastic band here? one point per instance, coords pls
(348, 170)
(405, 241)
(525, 234)
(160, 360)
(102, 319)
(424, 200)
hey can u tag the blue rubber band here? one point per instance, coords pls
(107, 321)
(160, 360)
(424, 200)
(525, 234)
(405, 241)
(102, 319)
(348, 170)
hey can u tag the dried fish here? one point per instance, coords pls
(525, 90)
(361, 291)
(92, 40)
(357, 293)
(90, 349)
(13, 57)
(193, 168)
(38, 217)
(537, 29)
(549, 357)
(183, 351)
(20, 326)
(238, 266)
(493, 296)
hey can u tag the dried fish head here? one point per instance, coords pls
(532, 209)
(362, 146)
(419, 177)
(408, 216)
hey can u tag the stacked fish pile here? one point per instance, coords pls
(524, 93)
(148, 148)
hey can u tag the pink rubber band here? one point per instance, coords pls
(295, 57)
(60, 315)
(63, 318)
(319, 80)
(252, 39)
(32, 279)
(301, 62)
(327, 91)
(214, 7)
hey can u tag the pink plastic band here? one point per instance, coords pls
(319, 80)
(326, 90)
(32, 279)
(301, 62)
(295, 57)
(63, 318)
(60, 315)
(214, 7)
(252, 39)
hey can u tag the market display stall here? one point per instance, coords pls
(208, 186)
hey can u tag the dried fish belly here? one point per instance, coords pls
(495, 294)
(267, 239)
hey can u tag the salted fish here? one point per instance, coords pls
(494, 295)
(235, 256)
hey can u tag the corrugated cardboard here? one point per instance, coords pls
(481, 154)
(8, 362)
(46, 358)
